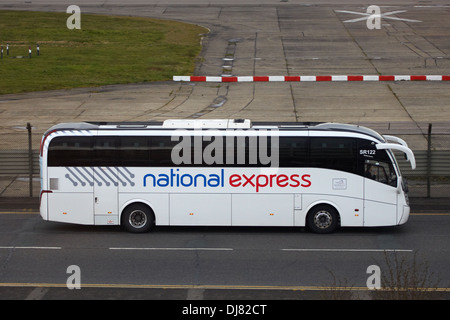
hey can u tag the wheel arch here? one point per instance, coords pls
(132, 202)
(322, 203)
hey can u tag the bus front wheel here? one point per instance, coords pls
(138, 218)
(322, 219)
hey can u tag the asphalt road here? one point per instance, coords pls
(210, 262)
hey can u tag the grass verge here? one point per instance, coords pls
(106, 50)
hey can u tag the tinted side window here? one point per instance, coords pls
(106, 152)
(70, 151)
(161, 151)
(293, 152)
(156, 151)
(134, 151)
(334, 153)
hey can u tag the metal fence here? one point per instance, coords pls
(431, 145)
(19, 159)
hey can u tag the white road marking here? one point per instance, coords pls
(386, 15)
(38, 248)
(348, 250)
(176, 249)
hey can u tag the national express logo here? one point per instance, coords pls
(176, 178)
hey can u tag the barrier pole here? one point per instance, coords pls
(429, 161)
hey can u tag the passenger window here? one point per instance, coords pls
(293, 152)
(70, 152)
(134, 151)
(106, 152)
(334, 153)
(161, 151)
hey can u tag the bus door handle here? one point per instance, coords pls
(96, 199)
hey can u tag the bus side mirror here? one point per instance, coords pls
(409, 154)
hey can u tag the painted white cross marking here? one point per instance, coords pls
(386, 15)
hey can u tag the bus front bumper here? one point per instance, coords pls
(405, 215)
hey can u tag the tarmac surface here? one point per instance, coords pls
(269, 38)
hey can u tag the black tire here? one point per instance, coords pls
(322, 219)
(138, 218)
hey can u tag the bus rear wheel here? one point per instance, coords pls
(322, 219)
(138, 218)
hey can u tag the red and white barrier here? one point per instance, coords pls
(312, 78)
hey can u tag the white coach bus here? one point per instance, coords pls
(222, 173)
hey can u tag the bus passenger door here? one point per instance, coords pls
(106, 180)
(380, 194)
(106, 185)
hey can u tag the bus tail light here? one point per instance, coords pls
(42, 193)
(41, 147)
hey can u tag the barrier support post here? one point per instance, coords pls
(30, 160)
(429, 161)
